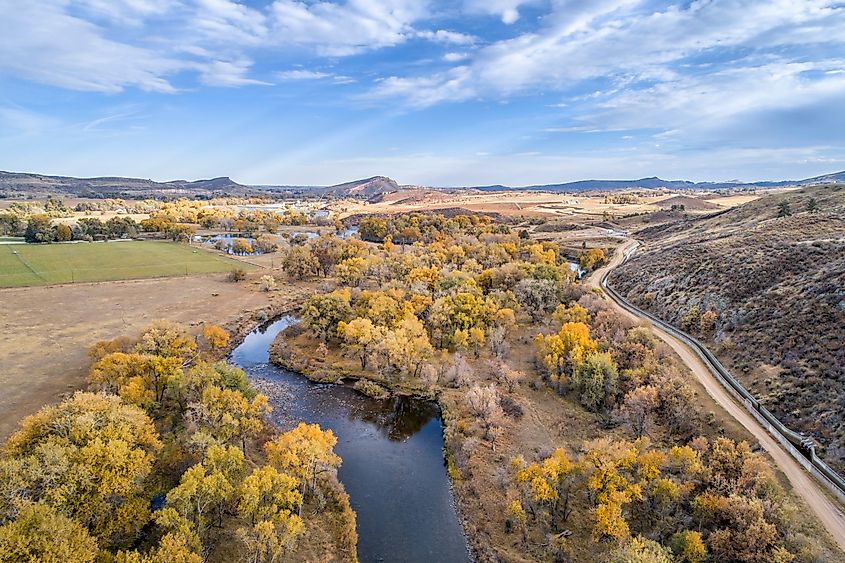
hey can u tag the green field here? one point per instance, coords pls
(42, 264)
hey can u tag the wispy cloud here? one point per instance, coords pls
(301, 75)
(109, 45)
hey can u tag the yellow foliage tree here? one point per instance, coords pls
(215, 337)
(87, 457)
(407, 346)
(166, 338)
(360, 337)
(304, 452)
(572, 313)
(139, 379)
(562, 352)
(40, 533)
(230, 415)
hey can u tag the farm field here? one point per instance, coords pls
(579, 207)
(30, 264)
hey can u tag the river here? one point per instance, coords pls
(392, 450)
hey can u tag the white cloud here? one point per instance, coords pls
(455, 57)
(631, 46)
(301, 75)
(506, 10)
(347, 28)
(41, 42)
(130, 12)
(109, 45)
(228, 73)
(444, 36)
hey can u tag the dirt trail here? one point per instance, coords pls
(827, 510)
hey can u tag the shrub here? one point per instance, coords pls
(370, 389)
(267, 283)
(237, 275)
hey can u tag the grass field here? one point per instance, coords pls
(37, 264)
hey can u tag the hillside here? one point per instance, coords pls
(375, 187)
(776, 286)
(15, 184)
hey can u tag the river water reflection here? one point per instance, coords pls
(392, 454)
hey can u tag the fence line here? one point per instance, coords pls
(800, 447)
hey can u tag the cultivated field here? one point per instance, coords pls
(538, 204)
(31, 264)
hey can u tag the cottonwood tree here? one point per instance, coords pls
(327, 251)
(640, 550)
(483, 403)
(168, 339)
(550, 484)
(360, 338)
(351, 271)
(560, 354)
(300, 263)
(605, 464)
(476, 338)
(304, 453)
(537, 297)
(592, 259)
(86, 457)
(208, 488)
(688, 547)
(322, 313)
(42, 533)
(406, 347)
(638, 409)
(229, 415)
(595, 381)
(241, 247)
(267, 500)
(139, 379)
(215, 337)
(571, 313)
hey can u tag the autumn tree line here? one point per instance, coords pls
(431, 303)
(456, 288)
(167, 458)
(177, 220)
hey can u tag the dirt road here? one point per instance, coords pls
(829, 513)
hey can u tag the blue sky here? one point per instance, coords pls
(465, 92)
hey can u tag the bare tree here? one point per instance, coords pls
(483, 402)
(639, 408)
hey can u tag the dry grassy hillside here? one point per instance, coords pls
(777, 287)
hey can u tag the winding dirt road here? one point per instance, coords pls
(829, 512)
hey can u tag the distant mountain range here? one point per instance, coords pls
(16, 184)
(656, 183)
